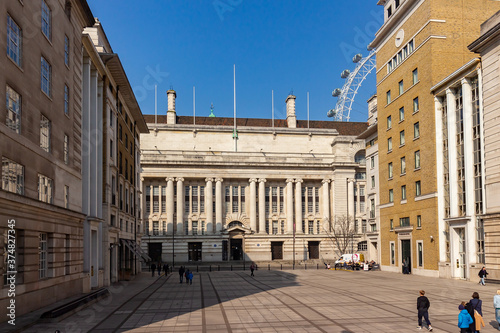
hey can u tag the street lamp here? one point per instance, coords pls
(347, 181)
(173, 248)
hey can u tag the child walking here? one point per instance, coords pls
(464, 319)
(423, 305)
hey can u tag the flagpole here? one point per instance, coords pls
(272, 105)
(194, 106)
(308, 110)
(235, 135)
(156, 99)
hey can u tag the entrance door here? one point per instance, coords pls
(406, 253)
(462, 253)
(277, 250)
(154, 251)
(194, 251)
(236, 249)
(313, 248)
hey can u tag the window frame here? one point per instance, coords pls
(418, 188)
(66, 99)
(420, 253)
(14, 41)
(11, 170)
(416, 105)
(416, 130)
(403, 165)
(14, 109)
(391, 195)
(390, 170)
(417, 159)
(414, 75)
(389, 122)
(401, 114)
(402, 138)
(45, 133)
(66, 149)
(388, 97)
(403, 192)
(66, 51)
(401, 86)
(45, 76)
(46, 20)
(43, 251)
(389, 144)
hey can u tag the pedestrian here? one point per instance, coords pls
(482, 275)
(168, 269)
(474, 307)
(496, 304)
(406, 269)
(464, 319)
(153, 268)
(252, 268)
(190, 277)
(165, 269)
(181, 273)
(423, 305)
(159, 268)
(186, 274)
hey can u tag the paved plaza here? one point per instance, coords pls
(276, 301)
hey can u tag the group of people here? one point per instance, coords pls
(185, 273)
(470, 317)
(154, 268)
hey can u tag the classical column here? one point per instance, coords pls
(209, 205)
(326, 203)
(289, 206)
(170, 204)
(253, 204)
(218, 204)
(262, 205)
(298, 206)
(180, 206)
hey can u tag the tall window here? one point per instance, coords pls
(391, 195)
(391, 224)
(274, 198)
(403, 165)
(113, 192)
(416, 130)
(45, 133)
(415, 75)
(404, 222)
(66, 149)
(476, 137)
(401, 114)
(402, 138)
(372, 162)
(401, 88)
(163, 199)
(418, 188)
(419, 221)
(46, 20)
(45, 189)
(42, 255)
(282, 200)
(14, 38)
(389, 144)
(66, 99)
(393, 254)
(389, 122)
(45, 76)
(12, 176)
(403, 192)
(156, 199)
(390, 170)
(388, 96)
(462, 209)
(446, 170)
(417, 159)
(66, 196)
(420, 253)
(13, 101)
(66, 50)
(415, 105)
(373, 181)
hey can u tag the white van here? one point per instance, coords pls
(354, 257)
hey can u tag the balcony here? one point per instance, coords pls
(404, 228)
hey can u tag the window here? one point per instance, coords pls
(66, 149)
(415, 75)
(372, 162)
(389, 144)
(373, 181)
(111, 148)
(418, 189)
(45, 133)
(156, 199)
(402, 138)
(363, 226)
(391, 196)
(14, 38)
(402, 114)
(45, 189)
(12, 176)
(410, 46)
(393, 254)
(415, 105)
(416, 130)
(66, 50)
(363, 246)
(389, 11)
(390, 170)
(420, 253)
(396, 3)
(404, 222)
(42, 256)
(113, 192)
(417, 159)
(388, 95)
(13, 101)
(120, 132)
(66, 99)
(401, 87)
(46, 72)
(403, 192)
(66, 196)
(46, 20)
(389, 122)
(403, 165)
(419, 221)
(391, 224)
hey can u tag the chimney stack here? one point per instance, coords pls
(291, 119)
(171, 115)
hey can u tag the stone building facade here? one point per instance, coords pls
(265, 190)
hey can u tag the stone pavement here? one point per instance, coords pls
(277, 301)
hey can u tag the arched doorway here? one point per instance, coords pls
(236, 231)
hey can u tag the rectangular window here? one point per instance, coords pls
(393, 254)
(417, 159)
(113, 192)
(66, 149)
(45, 76)
(402, 114)
(404, 222)
(156, 199)
(45, 133)
(402, 138)
(121, 196)
(66, 99)
(372, 162)
(66, 196)
(391, 224)
(389, 11)
(42, 256)
(390, 170)
(111, 148)
(401, 87)
(373, 181)
(45, 189)
(389, 144)
(46, 20)
(418, 189)
(363, 226)
(163, 199)
(419, 221)
(416, 130)
(415, 75)
(66, 50)
(12, 176)
(389, 122)
(388, 95)
(403, 192)
(14, 41)
(391, 195)
(415, 105)
(403, 165)
(13, 101)
(420, 253)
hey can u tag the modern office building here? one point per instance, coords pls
(223, 189)
(420, 44)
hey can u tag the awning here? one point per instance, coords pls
(137, 254)
(141, 252)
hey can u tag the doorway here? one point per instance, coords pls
(236, 249)
(194, 251)
(154, 251)
(406, 254)
(313, 249)
(277, 250)
(462, 253)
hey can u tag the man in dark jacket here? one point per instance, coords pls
(181, 273)
(423, 305)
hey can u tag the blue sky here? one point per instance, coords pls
(280, 45)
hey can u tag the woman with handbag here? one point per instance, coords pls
(474, 307)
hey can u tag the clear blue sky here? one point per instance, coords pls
(279, 45)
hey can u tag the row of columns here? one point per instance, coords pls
(261, 223)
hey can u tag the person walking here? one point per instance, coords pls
(464, 319)
(153, 268)
(181, 273)
(475, 306)
(423, 305)
(190, 277)
(252, 268)
(496, 305)
(165, 269)
(159, 268)
(482, 275)
(186, 274)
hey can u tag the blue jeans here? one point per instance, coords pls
(497, 314)
(482, 281)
